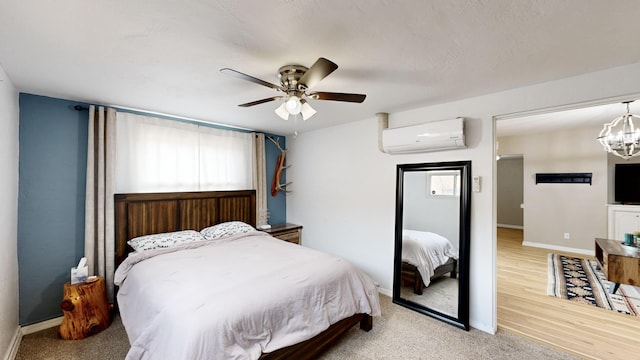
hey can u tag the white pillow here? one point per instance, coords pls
(226, 229)
(164, 240)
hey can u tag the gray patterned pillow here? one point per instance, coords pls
(226, 229)
(164, 240)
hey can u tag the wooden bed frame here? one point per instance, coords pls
(411, 273)
(151, 213)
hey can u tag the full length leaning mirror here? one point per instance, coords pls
(431, 260)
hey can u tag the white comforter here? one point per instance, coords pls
(235, 298)
(426, 251)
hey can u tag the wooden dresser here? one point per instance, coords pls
(287, 232)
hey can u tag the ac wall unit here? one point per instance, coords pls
(433, 136)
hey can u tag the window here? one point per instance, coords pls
(443, 183)
(158, 155)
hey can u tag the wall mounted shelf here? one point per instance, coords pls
(564, 178)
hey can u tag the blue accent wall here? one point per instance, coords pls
(277, 205)
(53, 148)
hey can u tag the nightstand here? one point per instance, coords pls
(86, 310)
(287, 232)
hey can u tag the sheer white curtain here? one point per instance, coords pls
(156, 155)
(99, 244)
(226, 159)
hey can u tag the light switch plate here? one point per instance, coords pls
(475, 184)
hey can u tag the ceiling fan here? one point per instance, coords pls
(295, 81)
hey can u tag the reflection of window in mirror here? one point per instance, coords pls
(443, 183)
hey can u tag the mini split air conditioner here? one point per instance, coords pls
(433, 136)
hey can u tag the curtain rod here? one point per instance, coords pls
(172, 117)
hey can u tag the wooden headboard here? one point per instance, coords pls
(151, 213)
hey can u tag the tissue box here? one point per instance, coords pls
(80, 273)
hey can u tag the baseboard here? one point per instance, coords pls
(29, 329)
(43, 325)
(12, 351)
(384, 291)
(559, 248)
(520, 227)
(483, 327)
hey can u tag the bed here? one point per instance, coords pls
(171, 314)
(426, 256)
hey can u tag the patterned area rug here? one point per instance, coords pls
(581, 280)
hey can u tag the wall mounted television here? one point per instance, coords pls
(627, 183)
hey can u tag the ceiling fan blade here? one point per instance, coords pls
(258, 102)
(357, 98)
(318, 71)
(254, 80)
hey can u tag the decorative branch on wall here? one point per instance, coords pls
(276, 184)
(564, 178)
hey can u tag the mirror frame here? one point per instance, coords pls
(462, 320)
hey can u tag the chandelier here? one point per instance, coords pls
(620, 137)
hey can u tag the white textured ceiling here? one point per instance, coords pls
(165, 55)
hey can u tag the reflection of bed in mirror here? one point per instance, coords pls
(426, 256)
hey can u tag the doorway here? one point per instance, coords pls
(510, 192)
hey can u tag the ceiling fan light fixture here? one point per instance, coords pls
(282, 112)
(295, 80)
(293, 105)
(307, 111)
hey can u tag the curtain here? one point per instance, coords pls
(260, 181)
(155, 155)
(99, 215)
(226, 159)
(160, 155)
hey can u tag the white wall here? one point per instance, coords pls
(344, 188)
(422, 212)
(551, 210)
(9, 329)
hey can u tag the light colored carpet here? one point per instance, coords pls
(441, 295)
(398, 334)
(109, 344)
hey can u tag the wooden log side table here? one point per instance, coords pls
(86, 310)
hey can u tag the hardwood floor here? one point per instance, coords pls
(525, 309)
